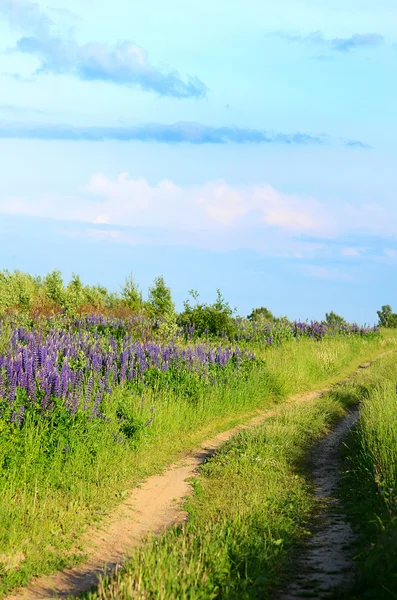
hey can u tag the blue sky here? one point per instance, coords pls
(247, 146)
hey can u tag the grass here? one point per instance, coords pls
(55, 482)
(250, 507)
(369, 489)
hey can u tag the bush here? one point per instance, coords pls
(211, 319)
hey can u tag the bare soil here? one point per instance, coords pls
(325, 564)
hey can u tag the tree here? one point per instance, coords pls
(387, 318)
(53, 286)
(131, 293)
(261, 313)
(162, 307)
(160, 298)
(74, 296)
(334, 320)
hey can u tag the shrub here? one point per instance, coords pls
(212, 319)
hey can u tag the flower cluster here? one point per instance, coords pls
(82, 363)
(281, 330)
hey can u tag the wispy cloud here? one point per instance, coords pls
(356, 144)
(215, 214)
(347, 44)
(215, 205)
(124, 63)
(218, 214)
(358, 40)
(192, 133)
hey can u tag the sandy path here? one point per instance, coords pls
(151, 508)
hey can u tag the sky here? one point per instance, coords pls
(247, 146)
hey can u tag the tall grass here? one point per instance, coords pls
(377, 435)
(56, 480)
(370, 485)
(250, 507)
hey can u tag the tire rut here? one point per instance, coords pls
(325, 564)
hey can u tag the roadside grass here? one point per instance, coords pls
(251, 504)
(369, 487)
(54, 485)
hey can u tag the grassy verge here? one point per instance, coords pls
(54, 485)
(370, 486)
(250, 507)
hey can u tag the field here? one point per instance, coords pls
(99, 392)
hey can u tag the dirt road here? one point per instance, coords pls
(150, 508)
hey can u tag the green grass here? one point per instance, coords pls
(250, 507)
(54, 485)
(369, 489)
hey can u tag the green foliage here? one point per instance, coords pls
(131, 425)
(387, 318)
(160, 298)
(53, 287)
(262, 313)
(59, 475)
(74, 296)
(334, 320)
(168, 326)
(162, 307)
(369, 489)
(131, 294)
(5, 335)
(247, 514)
(99, 298)
(209, 319)
(25, 296)
(17, 291)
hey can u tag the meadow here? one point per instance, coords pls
(253, 503)
(98, 391)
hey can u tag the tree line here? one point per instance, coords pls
(35, 296)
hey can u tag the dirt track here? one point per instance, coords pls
(150, 508)
(325, 563)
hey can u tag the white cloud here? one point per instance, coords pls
(212, 214)
(213, 205)
(124, 63)
(101, 220)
